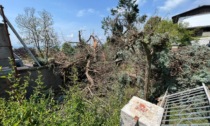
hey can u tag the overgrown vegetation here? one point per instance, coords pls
(71, 108)
(99, 78)
(156, 37)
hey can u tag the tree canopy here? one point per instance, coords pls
(38, 30)
(177, 32)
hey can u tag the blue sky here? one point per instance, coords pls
(72, 15)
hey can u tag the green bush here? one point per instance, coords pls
(43, 108)
(185, 69)
(68, 49)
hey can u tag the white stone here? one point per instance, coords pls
(139, 112)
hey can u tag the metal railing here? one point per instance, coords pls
(190, 107)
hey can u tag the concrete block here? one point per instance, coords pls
(139, 112)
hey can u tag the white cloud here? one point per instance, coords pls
(171, 4)
(141, 2)
(84, 12)
(90, 10)
(67, 31)
(80, 13)
(71, 35)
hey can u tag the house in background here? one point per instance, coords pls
(197, 19)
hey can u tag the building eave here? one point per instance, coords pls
(199, 27)
(176, 17)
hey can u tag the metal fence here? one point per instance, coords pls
(187, 108)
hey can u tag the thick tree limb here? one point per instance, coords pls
(87, 73)
(80, 38)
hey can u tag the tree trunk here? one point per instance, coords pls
(90, 79)
(40, 52)
(147, 71)
(47, 53)
(47, 49)
(80, 37)
(147, 78)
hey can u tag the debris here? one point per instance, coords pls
(139, 112)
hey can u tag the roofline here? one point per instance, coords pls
(191, 10)
(207, 26)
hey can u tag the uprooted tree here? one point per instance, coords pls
(95, 62)
(124, 34)
(88, 61)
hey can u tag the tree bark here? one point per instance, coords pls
(80, 37)
(90, 79)
(147, 71)
(147, 78)
(40, 52)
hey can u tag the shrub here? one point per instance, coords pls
(43, 108)
(185, 69)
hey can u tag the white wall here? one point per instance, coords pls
(201, 41)
(196, 20)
